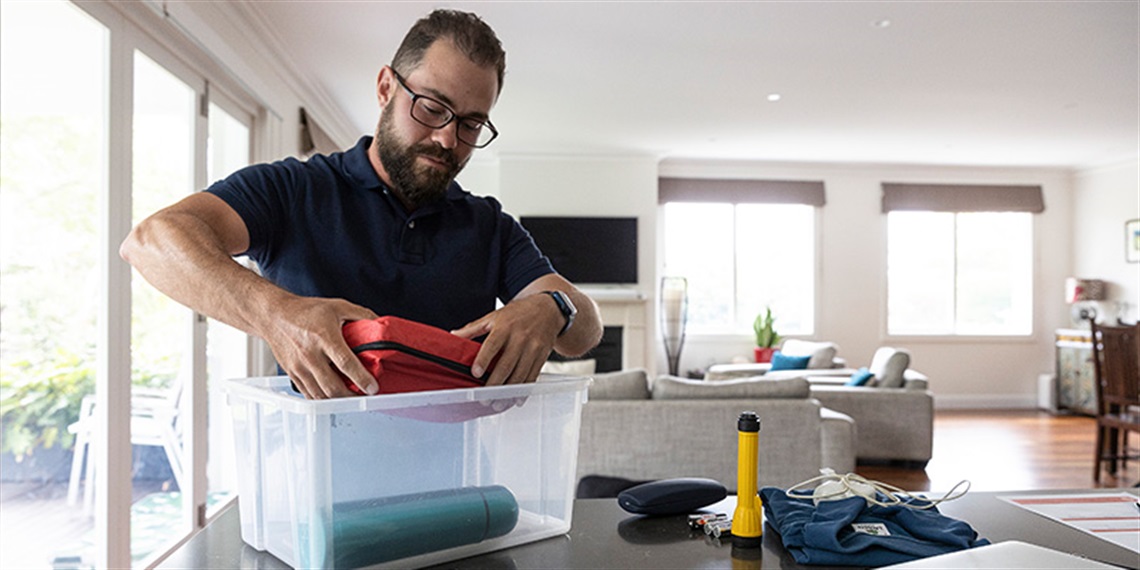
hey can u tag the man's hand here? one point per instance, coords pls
(521, 335)
(305, 336)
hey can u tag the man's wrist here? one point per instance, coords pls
(566, 307)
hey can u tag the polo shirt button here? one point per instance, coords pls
(412, 225)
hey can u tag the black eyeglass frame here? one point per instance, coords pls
(453, 115)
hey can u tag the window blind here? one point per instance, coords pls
(314, 139)
(740, 191)
(962, 198)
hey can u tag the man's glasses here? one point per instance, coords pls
(436, 114)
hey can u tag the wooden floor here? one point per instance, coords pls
(1007, 450)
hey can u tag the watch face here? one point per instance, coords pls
(565, 305)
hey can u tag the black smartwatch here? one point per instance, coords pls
(568, 310)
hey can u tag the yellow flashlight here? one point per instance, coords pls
(747, 522)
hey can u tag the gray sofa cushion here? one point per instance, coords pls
(673, 388)
(888, 365)
(630, 384)
(839, 438)
(822, 353)
(891, 423)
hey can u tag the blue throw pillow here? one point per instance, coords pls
(861, 377)
(781, 361)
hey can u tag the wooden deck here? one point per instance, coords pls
(37, 526)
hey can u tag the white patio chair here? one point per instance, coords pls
(154, 421)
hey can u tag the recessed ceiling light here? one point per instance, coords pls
(884, 23)
(773, 97)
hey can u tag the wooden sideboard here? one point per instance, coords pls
(1075, 373)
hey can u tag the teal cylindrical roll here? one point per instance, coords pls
(378, 530)
(502, 511)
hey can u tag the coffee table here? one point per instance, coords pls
(605, 536)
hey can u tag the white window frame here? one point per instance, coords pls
(720, 336)
(964, 337)
(127, 24)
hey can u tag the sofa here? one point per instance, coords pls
(678, 427)
(893, 409)
(895, 424)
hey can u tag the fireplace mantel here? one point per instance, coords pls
(628, 309)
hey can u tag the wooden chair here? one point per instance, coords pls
(1116, 361)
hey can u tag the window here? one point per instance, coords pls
(740, 258)
(54, 141)
(960, 258)
(68, 198)
(959, 273)
(227, 349)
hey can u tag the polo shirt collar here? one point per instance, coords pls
(358, 167)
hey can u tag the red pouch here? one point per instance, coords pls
(406, 356)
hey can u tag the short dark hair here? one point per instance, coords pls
(466, 31)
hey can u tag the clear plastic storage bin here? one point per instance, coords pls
(405, 479)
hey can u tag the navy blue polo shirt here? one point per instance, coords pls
(328, 227)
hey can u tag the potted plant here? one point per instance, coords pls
(766, 336)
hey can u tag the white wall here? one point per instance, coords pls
(1105, 198)
(481, 176)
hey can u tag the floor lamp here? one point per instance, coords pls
(674, 314)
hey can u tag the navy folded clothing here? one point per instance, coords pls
(852, 532)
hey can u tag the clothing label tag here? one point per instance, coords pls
(876, 529)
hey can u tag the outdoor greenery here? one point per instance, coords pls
(39, 400)
(49, 186)
(47, 351)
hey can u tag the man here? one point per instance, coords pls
(381, 228)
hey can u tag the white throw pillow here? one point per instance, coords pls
(888, 366)
(822, 353)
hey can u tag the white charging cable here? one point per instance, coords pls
(833, 487)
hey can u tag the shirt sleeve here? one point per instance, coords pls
(523, 262)
(263, 195)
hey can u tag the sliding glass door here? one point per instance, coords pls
(164, 152)
(228, 350)
(53, 144)
(101, 127)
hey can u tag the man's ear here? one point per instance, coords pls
(385, 86)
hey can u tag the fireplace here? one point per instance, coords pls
(623, 346)
(607, 355)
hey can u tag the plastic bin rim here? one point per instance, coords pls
(271, 390)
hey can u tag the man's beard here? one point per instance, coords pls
(419, 185)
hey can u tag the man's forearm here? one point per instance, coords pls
(179, 255)
(185, 257)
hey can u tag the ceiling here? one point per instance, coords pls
(1042, 84)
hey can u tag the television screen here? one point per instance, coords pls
(588, 250)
